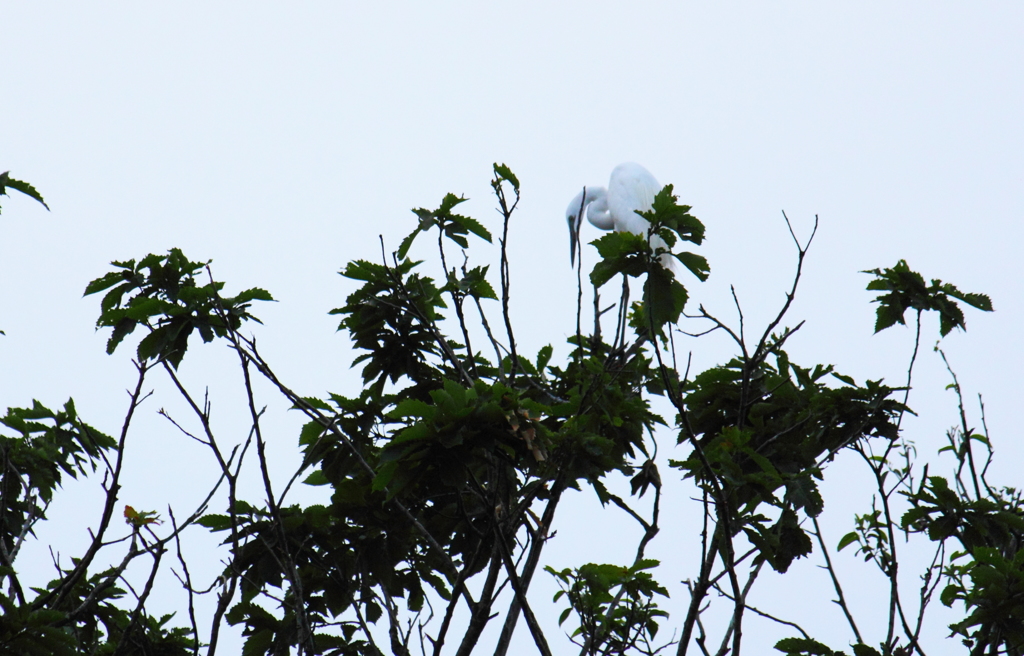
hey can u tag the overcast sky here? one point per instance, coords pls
(280, 142)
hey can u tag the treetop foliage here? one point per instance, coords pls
(447, 470)
(907, 290)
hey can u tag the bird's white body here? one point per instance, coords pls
(631, 189)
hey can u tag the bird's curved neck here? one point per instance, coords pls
(597, 208)
(594, 193)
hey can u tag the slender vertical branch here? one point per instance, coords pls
(186, 581)
(964, 429)
(305, 633)
(910, 368)
(840, 598)
(506, 212)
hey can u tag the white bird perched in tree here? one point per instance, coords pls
(632, 188)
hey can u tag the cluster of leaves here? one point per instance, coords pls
(441, 463)
(46, 445)
(450, 464)
(986, 569)
(907, 290)
(615, 605)
(75, 613)
(986, 572)
(772, 429)
(164, 295)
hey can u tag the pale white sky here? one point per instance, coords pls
(280, 142)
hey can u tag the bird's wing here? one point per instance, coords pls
(632, 188)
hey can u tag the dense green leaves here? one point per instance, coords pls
(986, 573)
(614, 605)
(46, 446)
(164, 295)
(391, 317)
(907, 290)
(792, 424)
(453, 226)
(439, 481)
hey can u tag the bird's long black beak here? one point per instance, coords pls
(574, 238)
(574, 229)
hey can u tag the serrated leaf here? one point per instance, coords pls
(448, 203)
(503, 172)
(801, 646)
(253, 294)
(123, 328)
(412, 408)
(104, 282)
(846, 379)
(543, 357)
(473, 226)
(215, 522)
(20, 185)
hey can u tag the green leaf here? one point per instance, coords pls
(310, 433)
(847, 540)
(887, 316)
(804, 646)
(503, 172)
(20, 185)
(384, 476)
(473, 226)
(253, 294)
(403, 249)
(448, 203)
(103, 282)
(696, 264)
(475, 283)
(317, 477)
(664, 299)
(412, 408)
(846, 379)
(215, 522)
(543, 357)
(258, 643)
(123, 328)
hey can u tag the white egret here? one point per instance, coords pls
(632, 188)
